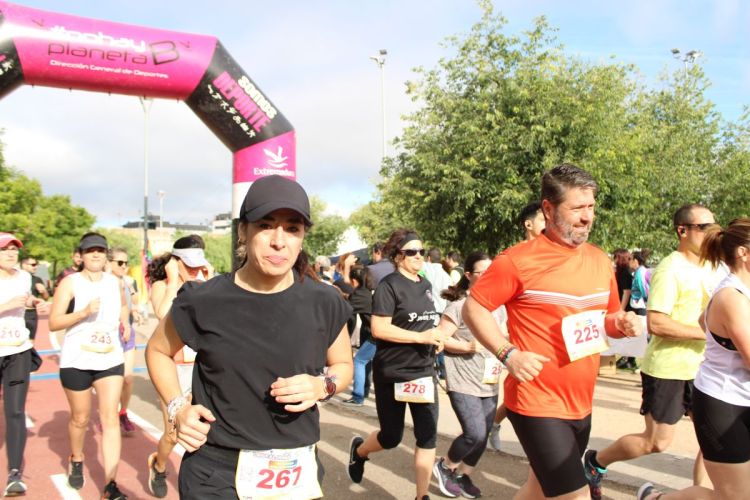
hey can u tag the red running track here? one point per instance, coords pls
(48, 448)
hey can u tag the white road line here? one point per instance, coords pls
(152, 430)
(66, 492)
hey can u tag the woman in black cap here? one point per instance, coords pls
(264, 335)
(403, 323)
(92, 356)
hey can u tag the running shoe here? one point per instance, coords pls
(645, 490)
(356, 468)
(157, 481)
(112, 492)
(353, 402)
(468, 488)
(126, 426)
(594, 475)
(75, 475)
(446, 479)
(16, 487)
(493, 441)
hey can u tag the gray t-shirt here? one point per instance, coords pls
(464, 372)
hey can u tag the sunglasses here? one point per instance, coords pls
(120, 262)
(700, 227)
(412, 252)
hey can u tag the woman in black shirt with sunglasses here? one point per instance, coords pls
(403, 324)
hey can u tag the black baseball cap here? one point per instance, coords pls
(93, 241)
(272, 193)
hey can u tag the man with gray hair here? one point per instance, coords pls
(561, 298)
(322, 268)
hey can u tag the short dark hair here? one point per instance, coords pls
(454, 256)
(682, 215)
(377, 247)
(434, 254)
(529, 212)
(557, 181)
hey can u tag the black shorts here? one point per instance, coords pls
(665, 399)
(210, 473)
(554, 448)
(81, 380)
(723, 429)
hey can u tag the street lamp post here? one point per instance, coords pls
(688, 57)
(146, 105)
(380, 61)
(161, 195)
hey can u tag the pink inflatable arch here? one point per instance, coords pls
(58, 50)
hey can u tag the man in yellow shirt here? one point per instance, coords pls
(680, 290)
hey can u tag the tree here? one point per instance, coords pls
(219, 252)
(49, 226)
(503, 109)
(327, 231)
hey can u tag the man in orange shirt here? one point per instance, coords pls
(561, 297)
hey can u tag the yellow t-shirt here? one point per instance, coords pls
(681, 290)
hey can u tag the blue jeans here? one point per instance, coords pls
(364, 356)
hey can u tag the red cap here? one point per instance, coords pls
(7, 238)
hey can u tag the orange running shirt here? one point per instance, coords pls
(541, 282)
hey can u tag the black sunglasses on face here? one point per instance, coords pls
(412, 252)
(700, 227)
(120, 262)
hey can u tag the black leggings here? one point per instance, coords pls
(391, 415)
(14, 373)
(475, 415)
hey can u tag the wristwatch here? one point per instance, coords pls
(329, 384)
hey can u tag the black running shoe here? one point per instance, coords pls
(356, 468)
(112, 492)
(75, 475)
(157, 481)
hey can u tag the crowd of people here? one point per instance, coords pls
(241, 360)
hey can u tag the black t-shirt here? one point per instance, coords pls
(410, 306)
(245, 341)
(624, 281)
(361, 302)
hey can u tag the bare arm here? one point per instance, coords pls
(664, 326)
(383, 329)
(58, 319)
(625, 299)
(42, 290)
(729, 317)
(452, 344)
(523, 365)
(300, 392)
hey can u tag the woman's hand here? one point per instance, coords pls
(433, 336)
(192, 423)
(302, 391)
(92, 307)
(173, 272)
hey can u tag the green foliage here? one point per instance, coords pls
(503, 109)
(327, 232)
(49, 226)
(219, 252)
(131, 243)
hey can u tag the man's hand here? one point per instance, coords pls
(628, 323)
(525, 365)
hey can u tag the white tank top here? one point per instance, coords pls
(723, 374)
(94, 344)
(14, 336)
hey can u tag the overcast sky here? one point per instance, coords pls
(312, 59)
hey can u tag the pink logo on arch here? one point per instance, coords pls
(274, 156)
